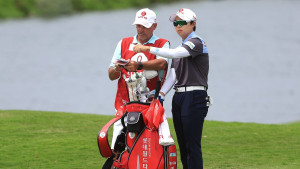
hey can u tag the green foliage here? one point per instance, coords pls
(17, 8)
(50, 8)
(87, 5)
(82, 5)
(8, 7)
(34, 139)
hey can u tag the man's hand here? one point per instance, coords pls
(118, 68)
(114, 72)
(131, 66)
(140, 48)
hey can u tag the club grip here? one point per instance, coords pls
(157, 89)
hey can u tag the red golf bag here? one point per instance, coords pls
(139, 140)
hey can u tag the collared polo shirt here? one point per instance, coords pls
(192, 70)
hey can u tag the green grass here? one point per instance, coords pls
(34, 139)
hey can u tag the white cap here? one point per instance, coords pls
(145, 17)
(185, 14)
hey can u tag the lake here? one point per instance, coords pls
(61, 64)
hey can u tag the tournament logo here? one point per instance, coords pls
(181, 11)
(143, 13)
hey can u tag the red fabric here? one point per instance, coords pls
(122, 164)
(103, 144)
(172, 157)
(134, 107)
(147, 152)
(154, 115)
(120, 112)
(122, 94)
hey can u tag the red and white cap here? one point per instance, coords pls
(185, 14)
(145, 17)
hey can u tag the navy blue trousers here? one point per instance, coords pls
(189, 111)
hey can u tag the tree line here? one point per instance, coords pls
(52, 8)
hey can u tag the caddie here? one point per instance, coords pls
(145, 22)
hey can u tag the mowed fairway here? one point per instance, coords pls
(36, 139)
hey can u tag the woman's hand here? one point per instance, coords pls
(141, 48)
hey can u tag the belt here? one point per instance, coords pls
(189, 88)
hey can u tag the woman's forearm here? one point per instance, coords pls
(180, 52)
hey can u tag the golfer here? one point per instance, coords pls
(189, 71)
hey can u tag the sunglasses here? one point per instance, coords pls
(181, 23)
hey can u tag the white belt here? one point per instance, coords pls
(189, 88)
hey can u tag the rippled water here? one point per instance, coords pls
(61, 64)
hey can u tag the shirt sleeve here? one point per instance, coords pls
(169, 82)
(161, 72)
(165, 46)
(117, 54)
(179, 52)
(194, 46)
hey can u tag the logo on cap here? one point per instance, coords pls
(143, 13)
(181, 11)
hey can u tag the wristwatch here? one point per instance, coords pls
(140, 67)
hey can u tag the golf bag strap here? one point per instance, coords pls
(118, 164)
(123, 120)
(103, 143)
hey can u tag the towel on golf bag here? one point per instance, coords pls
(154, 115)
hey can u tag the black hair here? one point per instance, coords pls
(194, 29)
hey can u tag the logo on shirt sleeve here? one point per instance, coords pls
(190, 44)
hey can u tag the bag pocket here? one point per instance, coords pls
(135, 122)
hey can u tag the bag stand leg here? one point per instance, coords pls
(166, 156)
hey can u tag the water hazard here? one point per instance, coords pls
(61, 64)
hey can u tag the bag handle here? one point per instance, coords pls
(158, 82)
(102, 139)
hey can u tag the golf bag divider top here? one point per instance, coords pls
(135, 122)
